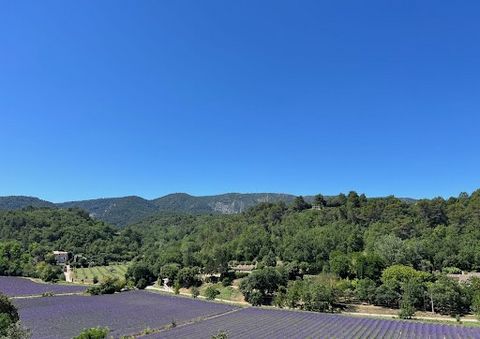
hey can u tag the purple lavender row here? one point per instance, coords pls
(124, 313)
(267, 323)
(16, 286)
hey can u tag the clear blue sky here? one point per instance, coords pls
(113, 98)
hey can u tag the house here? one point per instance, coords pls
(464, 276)
(61, 257)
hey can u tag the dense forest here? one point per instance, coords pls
(374, 249)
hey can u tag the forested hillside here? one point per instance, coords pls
(428, 235)
(128, 210)
(29, 236)
(375, 246)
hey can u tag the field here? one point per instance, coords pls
(131, 313)
(124, 313)
(15, 287)
(86, 275)
(267, 323)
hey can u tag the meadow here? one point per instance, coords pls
(86, 275)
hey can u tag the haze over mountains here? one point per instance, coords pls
(127, 210)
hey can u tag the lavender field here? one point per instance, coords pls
(263, 323)
(124, 313)
(17, 286)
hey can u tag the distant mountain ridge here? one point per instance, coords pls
(127, 210)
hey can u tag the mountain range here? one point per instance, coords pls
(131, 209)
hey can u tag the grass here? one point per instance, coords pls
(226, 293)
(101, 272)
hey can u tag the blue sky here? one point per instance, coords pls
(113, 98)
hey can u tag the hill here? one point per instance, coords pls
(16, 202)
(128, 210)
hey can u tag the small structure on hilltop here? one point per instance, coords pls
(61, 257)
(464, 276)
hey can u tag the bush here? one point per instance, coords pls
(220, 335)
(211, 293)
(93, 333)
(365, 290)
(195, 291)
(176, 287)
(407, 310)
(95, 279)
(108, 286)
(256, 298)
(8, 314)
(227, 281)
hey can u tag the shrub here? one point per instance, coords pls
(195, 292)
(108, 286)
(365, 290)
(211, 293)
(407, 310)
(176, 287)
(95, 279)
(227, 281)
(220, 335)
(93, 333)
(256, 298)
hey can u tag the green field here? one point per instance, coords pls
(86, 275)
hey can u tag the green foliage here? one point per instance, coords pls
(448, 296)
(195, 292)
(140, 274)
(264, 283)
(312, 295)
(8, 315)
(109, 286)
(188, 276)
(169, 272)
(93, 333)
(396, 275)
(211, 293)
(365, 290)
(407, 310)
(220, 335)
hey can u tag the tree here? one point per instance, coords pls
(319, 201)
(8, 314)
(448, 296)
(365, 290)
(270, 259)
(299, 204)
(169, 271)
(340, 264)
(187, 277)
(140, 274)
(318, 297)
(265, 281)
(387, 296)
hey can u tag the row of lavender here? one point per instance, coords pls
(16, 286)
(124, 313)
(132, 312)
(268, 323)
